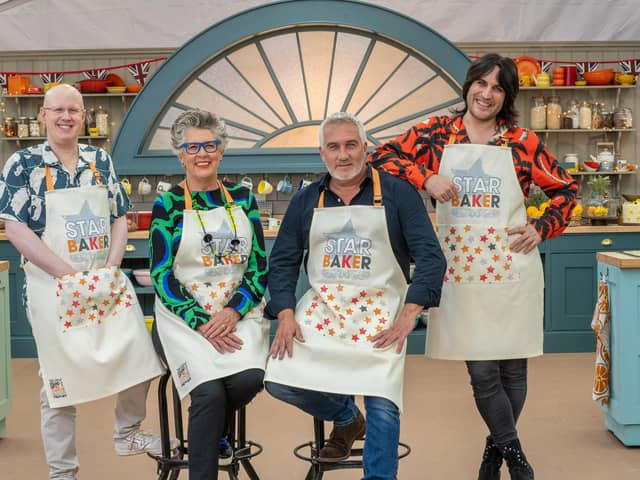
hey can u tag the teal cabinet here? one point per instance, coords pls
(571, 286)
(5, 349)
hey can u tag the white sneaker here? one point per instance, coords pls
(139, 441)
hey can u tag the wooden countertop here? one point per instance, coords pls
(4, 265)
(619, 259)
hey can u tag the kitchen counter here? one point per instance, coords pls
(618, 259)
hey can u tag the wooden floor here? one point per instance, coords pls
(561, 428)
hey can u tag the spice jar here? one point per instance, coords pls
(102, 121)
(538, 113)
(596, 115)
(23, 127)
(10, 127)
(554, 111)
(584, 115)
(34, 127)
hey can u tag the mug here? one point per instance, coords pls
(274, 224)
(285, 185)
(570, 73)
(525, 81)
(303, 183)
(144, 187)
(264, 187)
(163, 187)
(126, 185)
(247, 183)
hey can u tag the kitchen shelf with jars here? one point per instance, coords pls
(588, 129)
(21, 125)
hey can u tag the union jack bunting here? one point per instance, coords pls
(630, 66)
(545, 65)
(98, 74)
(593, 66)
(140, 71)
(51, 77)
(3, 79)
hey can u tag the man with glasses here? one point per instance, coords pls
(64, 211)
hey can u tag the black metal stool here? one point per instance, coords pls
(318, 467)
(170, 463)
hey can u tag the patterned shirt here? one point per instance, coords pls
(416, 156)
(164, 240)
(23, 183)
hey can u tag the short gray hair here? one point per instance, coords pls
(197, 118)
(342, 117)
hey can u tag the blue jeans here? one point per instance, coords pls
(380, 458)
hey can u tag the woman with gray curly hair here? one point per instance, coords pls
(209, 272)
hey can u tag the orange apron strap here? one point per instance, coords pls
(188, 205)
(452, 138)
(96, 173)
(49, 180)
(321, 200)
(504, 141)
(377, 190)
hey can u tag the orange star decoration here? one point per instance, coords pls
(82, 281)
(222, 284)
(194, 287)
(465, 249)
(478, 250)
(498, 277)
(377, 311)
(308, 313)
(330, 297)
(331, 332)
(467, 228)
(340, 287)
(349, 311)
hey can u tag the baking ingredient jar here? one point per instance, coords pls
(554, 112)
(23, 127)
(596, 115)
(573, 112)
(10, 127)
(622, 118)
(102, 121)
(34, 127)
(538, 113)
(584, 115)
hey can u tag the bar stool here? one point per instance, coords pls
(170, 463)
(318, 467)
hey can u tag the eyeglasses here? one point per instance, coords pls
(192, 148)
(208, 247)
(59, 111)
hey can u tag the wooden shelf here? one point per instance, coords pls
(580, 87)
(585, 130)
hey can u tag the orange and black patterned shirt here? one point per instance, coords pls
(416, 154)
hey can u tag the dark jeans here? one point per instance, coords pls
(212, 404)
(500, 390)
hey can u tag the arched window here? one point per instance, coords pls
(275, 72)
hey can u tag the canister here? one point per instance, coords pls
(34, 127)
(10, 127)
(23, 127)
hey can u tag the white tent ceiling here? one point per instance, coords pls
(82, 24)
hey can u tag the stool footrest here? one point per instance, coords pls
(403, 451)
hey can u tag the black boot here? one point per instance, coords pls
(491, 462)
(519, 468)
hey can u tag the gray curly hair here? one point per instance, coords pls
(342, 117)
(197, 118)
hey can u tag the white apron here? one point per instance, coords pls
(88, 326)
(492, 299)
(211, 280)
(357, 290)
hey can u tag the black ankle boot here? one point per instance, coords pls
(519, 468)
(491, 462)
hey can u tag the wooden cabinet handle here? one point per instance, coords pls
(607, 242)
(130, 248)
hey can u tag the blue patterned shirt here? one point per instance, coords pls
(23, 182)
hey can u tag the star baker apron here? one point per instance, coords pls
(357, 290)
(211, 280)
(492, 299)
(88, 326)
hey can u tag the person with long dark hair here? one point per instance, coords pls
(479, 166)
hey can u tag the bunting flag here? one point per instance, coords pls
(581, 67)
(545, 66)
(593, 66)
(98, 74)
(53, 77)
(139, 71)
(3, 79)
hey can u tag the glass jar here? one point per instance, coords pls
(102, 121)
(622, 118)
(10, 127)
(23, 127)
(554, 112)
(538, 113)
(596, 115)
(34, 127)
(572, 112)
(584, 115)
(90, 120)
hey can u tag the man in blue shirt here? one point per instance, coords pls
(360, 230)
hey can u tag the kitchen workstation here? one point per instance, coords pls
(272, 72)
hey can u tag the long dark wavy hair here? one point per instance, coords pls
(507, 78)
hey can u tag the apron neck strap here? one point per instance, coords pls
(49, 180)
(452, 138)
(377, 190)
(188, 203)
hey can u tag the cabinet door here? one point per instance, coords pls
(5, 353)
(571, 293)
